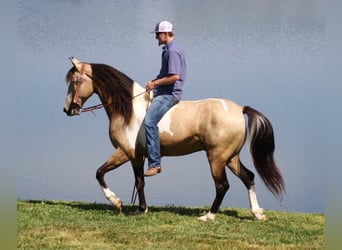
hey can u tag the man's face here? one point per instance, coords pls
(161, 37)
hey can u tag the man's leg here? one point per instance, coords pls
(159, 106)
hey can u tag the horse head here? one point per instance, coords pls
(80, 86)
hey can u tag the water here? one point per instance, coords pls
(266, 54)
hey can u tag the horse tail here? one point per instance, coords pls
(262, 149)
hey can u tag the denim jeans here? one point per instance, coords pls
(159, 106)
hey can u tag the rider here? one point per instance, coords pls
(167, 91)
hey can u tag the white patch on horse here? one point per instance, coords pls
(131, 134)
(224, 105)
(139, 108)
(222, 101)
(110, 195)
(165, 123)
(256, 210)
(260, 122)
(208, 217)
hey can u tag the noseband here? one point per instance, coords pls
(75, 101)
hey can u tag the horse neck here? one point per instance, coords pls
(125, 135)
(141, 101)
(137, 89)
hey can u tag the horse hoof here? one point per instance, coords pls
(119, 206)
(259, 215)
(208, 217)
(138, 212)
(117, 203)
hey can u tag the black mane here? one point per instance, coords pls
(115, 89)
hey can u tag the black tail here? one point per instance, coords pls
(262, 149)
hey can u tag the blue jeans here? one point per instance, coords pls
(159, 106)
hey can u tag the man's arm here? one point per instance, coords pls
(169, 79)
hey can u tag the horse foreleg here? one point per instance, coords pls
(138, 168)
(115, 161)
(221, 185)
(247, 177)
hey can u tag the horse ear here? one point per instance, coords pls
(76, 63)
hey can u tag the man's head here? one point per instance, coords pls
(164, 32)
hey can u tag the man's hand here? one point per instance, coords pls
(149, 86)
(169, 79)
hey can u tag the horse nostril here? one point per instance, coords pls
(66, 111)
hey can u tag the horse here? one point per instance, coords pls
(216, 126)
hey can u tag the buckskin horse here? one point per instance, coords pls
(216, 126)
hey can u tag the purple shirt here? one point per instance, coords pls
(173, 62)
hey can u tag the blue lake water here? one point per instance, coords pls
(265, 54)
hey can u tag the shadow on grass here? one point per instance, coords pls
(75, 204)
(128, 209)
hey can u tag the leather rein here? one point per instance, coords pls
(100, 106)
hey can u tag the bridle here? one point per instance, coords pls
(75, 101)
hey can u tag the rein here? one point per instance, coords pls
(100, 106)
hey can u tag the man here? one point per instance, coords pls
(167, 91)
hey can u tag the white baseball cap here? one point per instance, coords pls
(163, 26)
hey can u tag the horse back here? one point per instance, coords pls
(192, 126)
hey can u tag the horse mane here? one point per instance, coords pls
(115, 90)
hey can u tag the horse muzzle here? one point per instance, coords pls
(74, 109)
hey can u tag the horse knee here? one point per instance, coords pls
(222, 188)
(99, 177)
(99, 174)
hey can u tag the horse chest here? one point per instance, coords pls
(131, 134)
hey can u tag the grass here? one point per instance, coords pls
(81, 225)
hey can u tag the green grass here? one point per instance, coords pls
(80, 225)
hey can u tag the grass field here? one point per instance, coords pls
(80, 225)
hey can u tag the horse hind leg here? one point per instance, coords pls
(218, 172)
(247, 177)
(115, 161)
